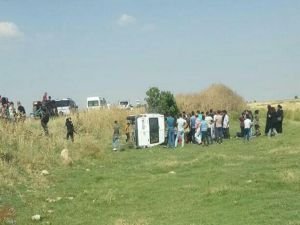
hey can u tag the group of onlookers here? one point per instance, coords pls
(206, 128)
(9, 112)
(198, 128)
(274, 120)
(250, 124)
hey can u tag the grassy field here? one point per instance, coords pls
(292, 104)
(233, 183)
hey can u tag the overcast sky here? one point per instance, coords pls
(119, 48)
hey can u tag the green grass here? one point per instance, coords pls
(233, 183)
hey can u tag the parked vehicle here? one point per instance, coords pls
(96, 103)
(148, 130)
(125, 105)
(66, 106)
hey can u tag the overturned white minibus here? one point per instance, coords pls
(148, 130)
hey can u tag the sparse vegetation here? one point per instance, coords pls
(25, 151)
(252, 183)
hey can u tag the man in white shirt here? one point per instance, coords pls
(181, 123)
(247, 125)
(198, 137)
(226, 125)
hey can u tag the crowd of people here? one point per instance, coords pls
(9, 112)
(198, 128)
(274, 120)
(213, 126)
(43, 109)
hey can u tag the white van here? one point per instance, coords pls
(96, 103)
(66, 106)
(148, 130)
(125, 105)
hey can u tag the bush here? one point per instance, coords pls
(162, 102)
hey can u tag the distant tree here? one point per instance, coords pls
(153, 99)
(162, 102)
(168, 104)
(296, 97)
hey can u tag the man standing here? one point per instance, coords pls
(256, 123)
(279, 119)
(219, 127)
(21, 111)
(273, 122)
(204, 130)
(209, 121)
(116, 136)
(70, 129)
(181, 123)
(226, 125)
(269, 120)
(45, 97)
(12, 112)
(171, 134)
(127, 131)
(44, 114)
(247, 127)
(193, 127)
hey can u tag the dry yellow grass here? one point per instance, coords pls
(6, 213)
(289, 176)
(291, 107)
(25, 149)
(217, 97)
(293, 104)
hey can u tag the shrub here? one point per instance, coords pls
(162, 102)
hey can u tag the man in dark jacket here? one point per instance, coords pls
(21, 113)
(279, 114)
(70, 129)
(269, 120)
(4, 101)
(44, 114)
(21, 109)
(273, 122)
